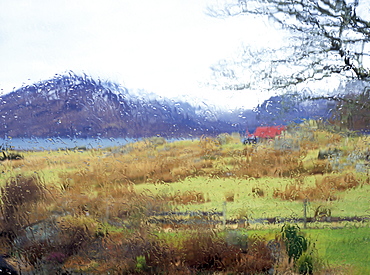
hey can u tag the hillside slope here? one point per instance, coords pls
(79, 106)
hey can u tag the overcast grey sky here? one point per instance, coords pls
(162, 46)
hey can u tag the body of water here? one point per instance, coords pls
(39, 144)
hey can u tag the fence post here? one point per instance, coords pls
(305, 213)
(224, 215)
(106, 211)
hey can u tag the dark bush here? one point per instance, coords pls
(208, 253)
(10, 156)
(305, 264)
(6, 268)
(258, 192)
(326, 154)
(19, 196)
(295, 243)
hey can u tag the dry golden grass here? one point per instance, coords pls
(261, 162)
(188, 197)
(325, 188)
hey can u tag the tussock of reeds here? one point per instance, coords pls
(187, 197)
(19, 197)
(325, 188)
(268, 162)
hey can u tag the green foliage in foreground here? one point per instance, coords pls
(346, 247)
(295, 243)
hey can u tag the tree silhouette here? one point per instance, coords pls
(326, 37)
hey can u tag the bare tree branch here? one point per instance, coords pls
(328, 37)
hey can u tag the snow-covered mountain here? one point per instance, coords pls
(71, 105)
(78, 106)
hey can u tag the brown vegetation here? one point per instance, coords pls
(188, 197)
(19, 196)
(325, 189)
(85, 233)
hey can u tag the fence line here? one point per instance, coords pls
(217, 217)
(205, 217)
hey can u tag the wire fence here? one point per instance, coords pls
(179, 218)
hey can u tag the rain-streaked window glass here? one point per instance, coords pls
(185, 137)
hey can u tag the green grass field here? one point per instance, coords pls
(354, 202)
(346, 247)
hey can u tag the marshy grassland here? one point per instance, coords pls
(114, 210)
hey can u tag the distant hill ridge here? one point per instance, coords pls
(79, 106)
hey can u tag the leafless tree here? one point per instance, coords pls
(326, 38)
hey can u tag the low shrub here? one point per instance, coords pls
(19, 197)
(296, 244)
(260, 162)
(319, 167)
(324, 188)
(299, 250)
(10, 156)
(258, 192)
(229, 196)
(305, 264)
(210, 253)
(224, 138)
(188, 197)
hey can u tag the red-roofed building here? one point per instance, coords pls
(263, 133)
(269, 131)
